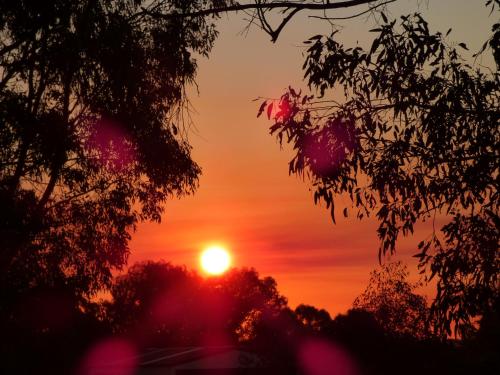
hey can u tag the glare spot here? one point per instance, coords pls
(321, 357)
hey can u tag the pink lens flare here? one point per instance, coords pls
(321, 357)
(328, 148)
(110, 357)
(111, 145)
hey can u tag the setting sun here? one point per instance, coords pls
(215, 260)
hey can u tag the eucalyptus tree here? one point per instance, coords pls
(415, 137)
(392, 300)
(92, 95)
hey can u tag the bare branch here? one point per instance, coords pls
(370, 9)
(270, 6)
(292, 8)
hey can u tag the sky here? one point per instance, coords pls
(246, 200)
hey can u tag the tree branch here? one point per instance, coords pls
(276, 33)
(82, 193)
(279, 5)
(59, 158)
(269, 6)
(370, 9)
(285, 6)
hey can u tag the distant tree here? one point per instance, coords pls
(155, 303)
(377, 351)
(358, 325)
(415, 138)
(158, 303)
(485, 343)
(317, 320)
(392, 301)
(91, 95)
(249, 288)
(361, 333)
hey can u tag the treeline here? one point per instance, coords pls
(157, 304)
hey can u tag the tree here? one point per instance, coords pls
(247, 299)
(416, 136)
(393, 303)
(317, 320)
(156, 303)
(91, 95)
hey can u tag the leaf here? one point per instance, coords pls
(332, 209)
(269, 110)
(375, 45)
(316, 37)
(261, 109)
(274, 128)
(464, 46)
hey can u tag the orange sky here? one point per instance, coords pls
(246, 199)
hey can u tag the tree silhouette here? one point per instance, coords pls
(246, 300)
(157, 303)
(91, 95)
(263, 12)
(317, 320)
(393, 303)
(416, 137)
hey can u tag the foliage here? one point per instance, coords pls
(158, 303)
(248, 299)
(90, 93)
(393, 303)
(162, 305)
(317, 320)
(415, 138)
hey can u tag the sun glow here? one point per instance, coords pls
(215, 260)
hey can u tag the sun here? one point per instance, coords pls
(215, 260)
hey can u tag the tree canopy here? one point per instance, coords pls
(157, 303)
(392, 300)
(92, 95)
(415, 137)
